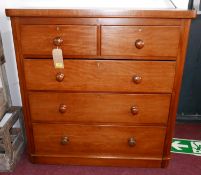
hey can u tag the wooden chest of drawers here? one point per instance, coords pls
(115, 101)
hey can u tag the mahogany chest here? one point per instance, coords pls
(114, 103)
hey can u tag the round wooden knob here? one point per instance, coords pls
(139, 44)
(60, 77)
(137, 79)
(57, 41)
(65, 140)
(131, 142)
(134, 110)
(62, 108)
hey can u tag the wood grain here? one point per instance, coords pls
(98, 160)
(99, 21)
(123, 13)
(91, 108)
(92, 104)
(98, 140)
(23, 90)
(77, 40)
(91, 75)
(158, 40)
(176, 90)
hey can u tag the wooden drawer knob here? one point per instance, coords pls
(65, 140)
(58, 41)
(134, 110)
(137, 79)
(60, 77)
(62, 108)
(131, 142)
(139, 44)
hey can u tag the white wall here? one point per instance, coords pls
(5, 28)
(92, 3)
(11, 70)
(183, 4)
(1, 83)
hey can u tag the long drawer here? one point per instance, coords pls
(53, 139)
(99, 75)
(140, 40)
(97, 107)
(73, 39)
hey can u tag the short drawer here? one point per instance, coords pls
(99, 107)
(100, 75)
(54, 139)
(41, 39)
(148, 41)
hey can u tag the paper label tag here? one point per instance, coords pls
(58, 58)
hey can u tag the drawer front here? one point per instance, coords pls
(140, 41)
(91, 75)
(80, 107)
(98, 140)
(41, 39)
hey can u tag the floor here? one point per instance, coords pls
(180, 164)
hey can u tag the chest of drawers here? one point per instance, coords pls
(115, 101)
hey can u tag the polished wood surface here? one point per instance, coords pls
(98, 140)
(100, 21)
(118, 91)
(176, 91)
(91, 75)
(140, 40)
(25, 106)
(117, 161)
(122, 13)
(99, 107)
(76, 40)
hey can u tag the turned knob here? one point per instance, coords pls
(131, 142)
(65, 140)
(60, 77)
(62, 108)
(134, 110)
(137, 79)
(57, 41)
(139, 44)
